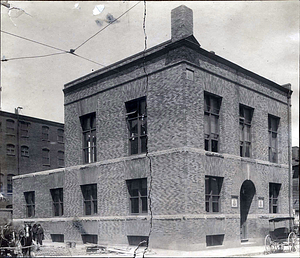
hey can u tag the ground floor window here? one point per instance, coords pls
(213, 187)
(89, 193)
(30, 203)
(137, 189)
(213, 240)
(273, 197)
(57, 238)
(138, 240)
(87, 238)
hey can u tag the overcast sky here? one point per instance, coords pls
(262, 37)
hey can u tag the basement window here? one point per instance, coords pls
(213, 240)
(87, 238)
(57, 238)
(136, 240)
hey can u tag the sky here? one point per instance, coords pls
(260, 36)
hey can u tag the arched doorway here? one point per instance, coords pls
(246, 196)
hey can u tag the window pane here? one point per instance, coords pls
(134, 205)
(247, 133)
(95, 207)
(134, 146)
(206, 103)
(207, 206)
(215, 207)
(247, 113)
(133, 128)
(206, 124)
(206, 143)
(144, 204)
(247, 150)
(143, 144)
(214, 185)
(88, 208)
(214, 146)
(207, 188)
(142, 110)
(241, 132)
(274, 140)
(143, 124)
(214, 124)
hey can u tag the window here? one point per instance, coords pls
(136, 240)
(10, 150)
(92, 239)
(60, 135)
(61, 158)
(30, 203)
(1, 182)
(212, 106)
(89, 193)
(137, 189)
(245, 131)
(136, 118)
(189, 74)
(57, 238)
(24, 151)
(45, 133)
(10, 126)
(57, 201)
(273, 139)
(9, 183)
(212, 240)
(212, 193)
(24, 129)
(273, 197)
(88, 124)
(46, 157)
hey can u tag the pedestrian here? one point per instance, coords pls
(34, 231)
(39, 235)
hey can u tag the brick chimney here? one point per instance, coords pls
(181, 22)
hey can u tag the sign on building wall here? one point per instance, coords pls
(234, 201)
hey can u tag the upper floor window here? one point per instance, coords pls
(273, 138)
(60, 135)
(61, 158)
(137, 189)
(273, 197)
(57, 201)
(30, 203)
(24, 129)
(212, 106)
(136, 116)
(45, 133)
(10, 150)
(89, 193)
(24, 151)
(88, 124)
(10, 183)
(213, 187)
(245, 131)
(46, 157)
(10, 126)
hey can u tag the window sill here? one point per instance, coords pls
(46, 165)
(137, 156)
(11, 155)
(214, 154)
(10, 134)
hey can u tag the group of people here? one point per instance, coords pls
(38, 234)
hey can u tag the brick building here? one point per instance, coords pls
(295, 164)
(28, 145)
(175, 137)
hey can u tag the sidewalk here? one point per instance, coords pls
(60, 250)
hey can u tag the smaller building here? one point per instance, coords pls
(295, 163)
(28, 145)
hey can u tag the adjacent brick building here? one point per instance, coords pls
(176, 138)
(295, 164)
(28, 145)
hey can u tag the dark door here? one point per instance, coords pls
(246, 196)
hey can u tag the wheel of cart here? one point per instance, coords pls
(281, 235)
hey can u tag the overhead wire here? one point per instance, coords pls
(29, 57)
(106, 26)
(34, 41)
